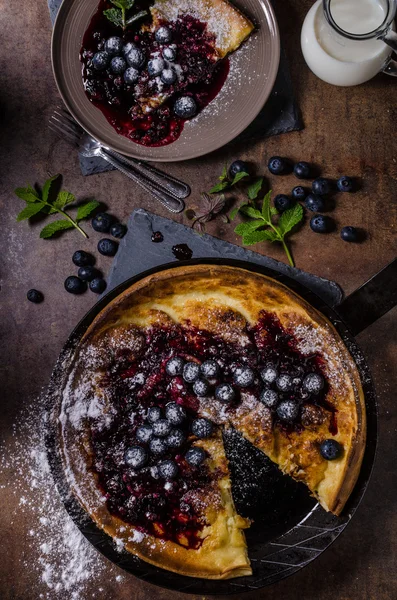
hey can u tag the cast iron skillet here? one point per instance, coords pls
(290, 529)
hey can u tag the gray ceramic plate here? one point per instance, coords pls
(252, 75)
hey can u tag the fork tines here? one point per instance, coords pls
(64, 126)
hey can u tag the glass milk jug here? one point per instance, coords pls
(347, 42)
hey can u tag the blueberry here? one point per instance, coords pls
(144, 434)
(302, 170)
(269, 374)
(87, 273)
(288, 410)
(322, 224)
(114, 45)
(210, 368)
(153, 414)
(163, 35)
(157, 446)
(161, 428)
(269, 398)
(169, 53)
(157, 237)
(278, 165)
(35, 296)
(313, 383)
(168, 76)
(299, 193)
(283, 202)
(131, 75)
(118, 230)
(174, 366)
(107, 247)
(243, 377)
(168, 469)
(155, 66)
(350, 234)
(127, 48)
(202, 428)
(100, 60)
(175, 438)
(118, 65)
(175, 413)
(135, 58)
(284, 382)
(137, 380)
(74, 285)
(238, 166)
(315, 203)
(191, 372)
(82, 259)
(102, 222)
(345, 184)
(330, 449)
(201, 388)
(321, 186)
(195, 456)
(225, 393)
(98, 285)
(185, 107)
(136, 457)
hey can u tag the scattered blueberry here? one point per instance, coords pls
(168, 469)
(161, 428)
(175, 438)
(118, 230)
(35, 296)
(144, 433)
(330, 449)
(350, 234)
(322, 224)
(243, 377)
(302, 170)
(315, 203)
(157, 237)
(284, 382)
(82, 259)
(118, 65)
(269, 374)
(238, 166)
(321, 186)
(191, 372)
(168, 76)
(74, 285)
(269, 398)
(107, 247)
(195, 456)
(163, 35)
(136, 457)
(154, 414)
(185, 107)
(100, 60)
(169, 53)
(277, 165)
(283, 202)
(127, 48)
(136, 381)
(202, 428)
(131, 75)
(225, 393)
(155, 66)
(114, 45)
(313, 383)
(157, 446)
(210, 368)
(174, 366)
(98, 285)
(288, 410)
(299, 193)
(175, 413)
(87, 273)
(135, 58)
(102, 222)
(201, 388)
(345, 184)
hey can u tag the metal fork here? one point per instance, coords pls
(165, 188)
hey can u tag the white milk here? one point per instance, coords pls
(339, 60)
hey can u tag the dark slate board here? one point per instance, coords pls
(280, 114)
(137, 253)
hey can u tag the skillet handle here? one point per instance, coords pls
(371, 301)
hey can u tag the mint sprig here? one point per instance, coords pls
(118, 15)
(225, 183)
(50, 202)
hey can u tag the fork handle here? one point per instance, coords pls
(174, 186)
(173, 204)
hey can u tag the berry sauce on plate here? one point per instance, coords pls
(155, 403)
(198, 78)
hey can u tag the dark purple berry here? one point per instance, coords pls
(135, 58)
(114, 45)
(157, 446)
(238, 166)
(175, 439)
(269, 398)
(136, 457)
(278, 165)
(185, 107)
(100, 60)
(345, 184)
(168, 76)
(243, 376)
(174, 366)
(153, 414)
(82, 259)
(87, 273)
(157, 237)
(283, 202)
(155, 66)
(102, 222)
(191, 372)
(201, 388)
(299, 193)
(350, 234)
(284, 382)
(210, 369)
(144, 433)
(163, 35)
(202, 428)
(161, 428)
(168, 469)
(315, 203)
(35, 296)
(302, 170)
(118, 230)
(98, 285)
(269, 374)
(225, 393)
(330, 449)
(321, 186)
(322, 224)
(74, 285)
(313, 383)
(195, 456)
(107, 247)
(131, 75)
(118, 65)
(175, 413)
(288, 411)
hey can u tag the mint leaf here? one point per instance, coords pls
(258, 236)
(266, 207)
(49, 230)
(123, 4)
(115, 16)
(47, 187)
(290, 218)
(137, 16)
(254, 189)
(224, 174)
(63, 199)
(233, 213)
(273, 210)
(238, 177)
(28, 194)
(85, 210)
(30, 210)
(245, 228)
(219, 187)
(249, 211)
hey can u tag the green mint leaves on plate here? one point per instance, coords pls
(51, 201)
(118, 15)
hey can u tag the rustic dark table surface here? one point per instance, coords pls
(348, 131)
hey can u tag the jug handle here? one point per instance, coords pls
(390, 38)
